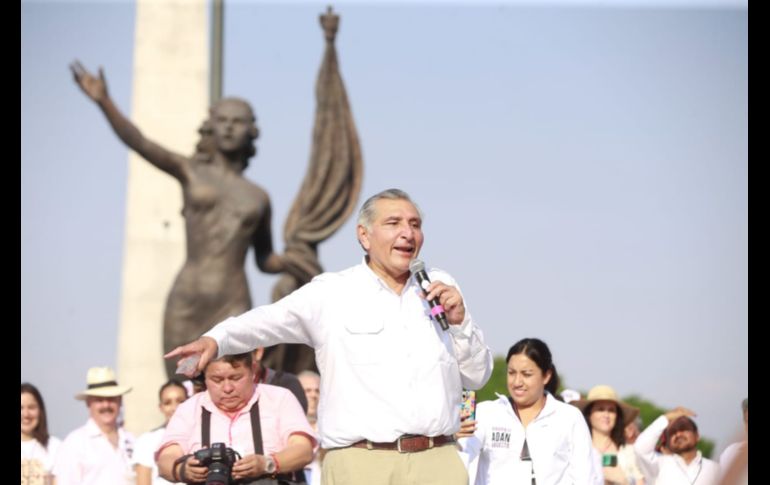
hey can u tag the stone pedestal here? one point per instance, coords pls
(169, 102)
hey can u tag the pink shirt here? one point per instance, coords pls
(280, 416)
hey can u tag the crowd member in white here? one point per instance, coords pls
(171, 395)
(685, 465)
(607, 417)
(391, 377)
(311, 384)
(530, 437)
(98, 452)
(38, 448)
(734, 460)
(632, 430)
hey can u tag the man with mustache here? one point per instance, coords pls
(98, 452)
(684, 465)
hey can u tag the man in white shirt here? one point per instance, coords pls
(100, 451)
(311, 384)
(734, 460)
(685, 465)
(391, 378)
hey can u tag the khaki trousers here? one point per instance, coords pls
(359, 466)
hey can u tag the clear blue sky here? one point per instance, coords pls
(583, 171)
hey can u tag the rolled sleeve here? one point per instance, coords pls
(473, 355)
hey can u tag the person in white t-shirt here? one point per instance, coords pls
(38, 448)
(171, 395)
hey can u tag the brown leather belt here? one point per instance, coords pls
(407, 443)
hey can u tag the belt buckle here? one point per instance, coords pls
(398, 443)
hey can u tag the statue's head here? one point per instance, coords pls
(233, 128)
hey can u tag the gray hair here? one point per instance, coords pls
(366, 214)
(745, 405)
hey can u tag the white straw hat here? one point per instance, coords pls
(606, 393)
(101, 383)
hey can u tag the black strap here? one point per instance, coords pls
(256, 428)
(205, 427)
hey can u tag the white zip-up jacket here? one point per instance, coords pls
(558, 439)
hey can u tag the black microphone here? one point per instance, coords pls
(417, 268)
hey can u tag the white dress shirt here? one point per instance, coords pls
(86, 457)
(671, 469)
(386, 367)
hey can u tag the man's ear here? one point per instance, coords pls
(259, 352)
(363, 237)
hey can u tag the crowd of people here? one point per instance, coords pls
(385, 406)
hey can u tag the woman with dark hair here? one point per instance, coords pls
(38, 448)
(171, 395)
(607, 417)
(529, 437)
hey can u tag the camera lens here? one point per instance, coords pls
(219, 474)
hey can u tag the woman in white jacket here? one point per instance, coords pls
(530, 438)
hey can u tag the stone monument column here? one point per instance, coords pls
(169, 102)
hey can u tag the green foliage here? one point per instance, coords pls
(497, 382)
(648, 410)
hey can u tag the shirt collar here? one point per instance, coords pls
(208, 404)
(695, 462)
(93, 429)
(548, 408)
(370, 275)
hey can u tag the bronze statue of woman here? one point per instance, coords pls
(224, 212)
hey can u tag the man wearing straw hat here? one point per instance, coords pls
(98, 452)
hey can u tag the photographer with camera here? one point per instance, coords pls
(236, 417)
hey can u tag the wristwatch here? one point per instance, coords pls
(270, 466)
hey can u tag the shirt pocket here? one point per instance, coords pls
(364, 340)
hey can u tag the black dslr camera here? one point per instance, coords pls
(219, 460)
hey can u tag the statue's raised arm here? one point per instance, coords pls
(96, 89)
(224, 213)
